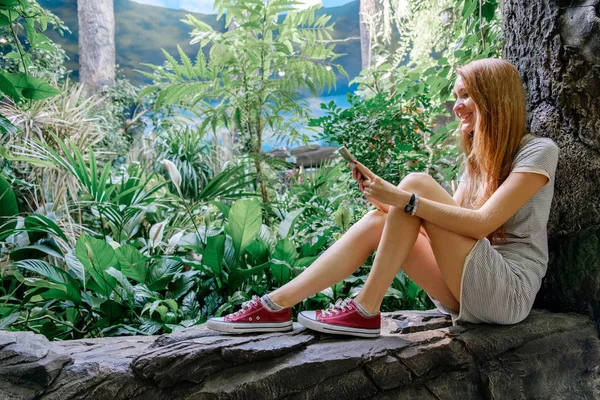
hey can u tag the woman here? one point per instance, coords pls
(479, 255)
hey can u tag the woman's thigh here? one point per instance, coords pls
(420, 265)
(449, 249)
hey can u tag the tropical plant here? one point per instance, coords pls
(120, 117)
(20, 85)
(192, 154)
(66, 115)
(129, 281)
(389, 134)
(431, 39)
(8, 205)
(103, 291)
(319, 204)
(254, 72)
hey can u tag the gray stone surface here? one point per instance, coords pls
(28, 364)
(547, 356)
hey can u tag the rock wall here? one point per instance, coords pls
(555, 45)
(419, 355)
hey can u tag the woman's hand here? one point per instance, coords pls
(359, 178)
(375, 188)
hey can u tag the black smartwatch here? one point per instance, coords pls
(410, 206)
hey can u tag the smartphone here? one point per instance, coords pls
(343, 151)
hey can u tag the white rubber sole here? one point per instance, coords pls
(217, 324)
(312, 323)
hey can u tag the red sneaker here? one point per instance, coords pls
(253, 317)
(343, 318)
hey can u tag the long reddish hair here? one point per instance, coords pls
(497, 91)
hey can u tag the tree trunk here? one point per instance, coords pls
(555, 44)
(96, 44)
(367, 10)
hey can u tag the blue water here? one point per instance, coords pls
(315, 111)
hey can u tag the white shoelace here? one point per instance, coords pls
(247, 305)
(340, 305)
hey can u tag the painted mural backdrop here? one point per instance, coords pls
(143, 27)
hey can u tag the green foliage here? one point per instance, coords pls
(120, 115)
(253, 72)
(311, 198)
(8, 205)
(383, 133)
(414, 139)
(192, 154)
(121, 254)
(434, 47)
(19, 84)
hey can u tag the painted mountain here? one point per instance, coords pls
(143, 29)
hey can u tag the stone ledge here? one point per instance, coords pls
(420, 355)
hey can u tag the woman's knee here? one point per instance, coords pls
(416, 182)
(375, 218)
(370, 227)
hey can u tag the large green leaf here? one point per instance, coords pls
(134, 264)
(259, 249)
(6, 4)
(239, 276)
(31, 88)
(245, 220)
(150, 327)
(213, 253)
(287, 224)
(162, 273)
(97, 256)
(55, 275)
(8, 206)
(36, 251)
(282, 259)
(8, 88)
(7, 127)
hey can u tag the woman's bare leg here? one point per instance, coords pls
(398, 241)
(399, 237)
(338, 262)
(420, 265)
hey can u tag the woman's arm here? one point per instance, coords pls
(458, 194)
(516, 190)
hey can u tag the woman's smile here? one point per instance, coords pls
(464, 107)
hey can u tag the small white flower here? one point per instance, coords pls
(328, 68)
(173, 174)
(112, 243)
(282, 73)
(174, 241)
(156, 233)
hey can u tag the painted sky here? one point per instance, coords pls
(206, 6)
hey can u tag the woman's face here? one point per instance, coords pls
(464, 107)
